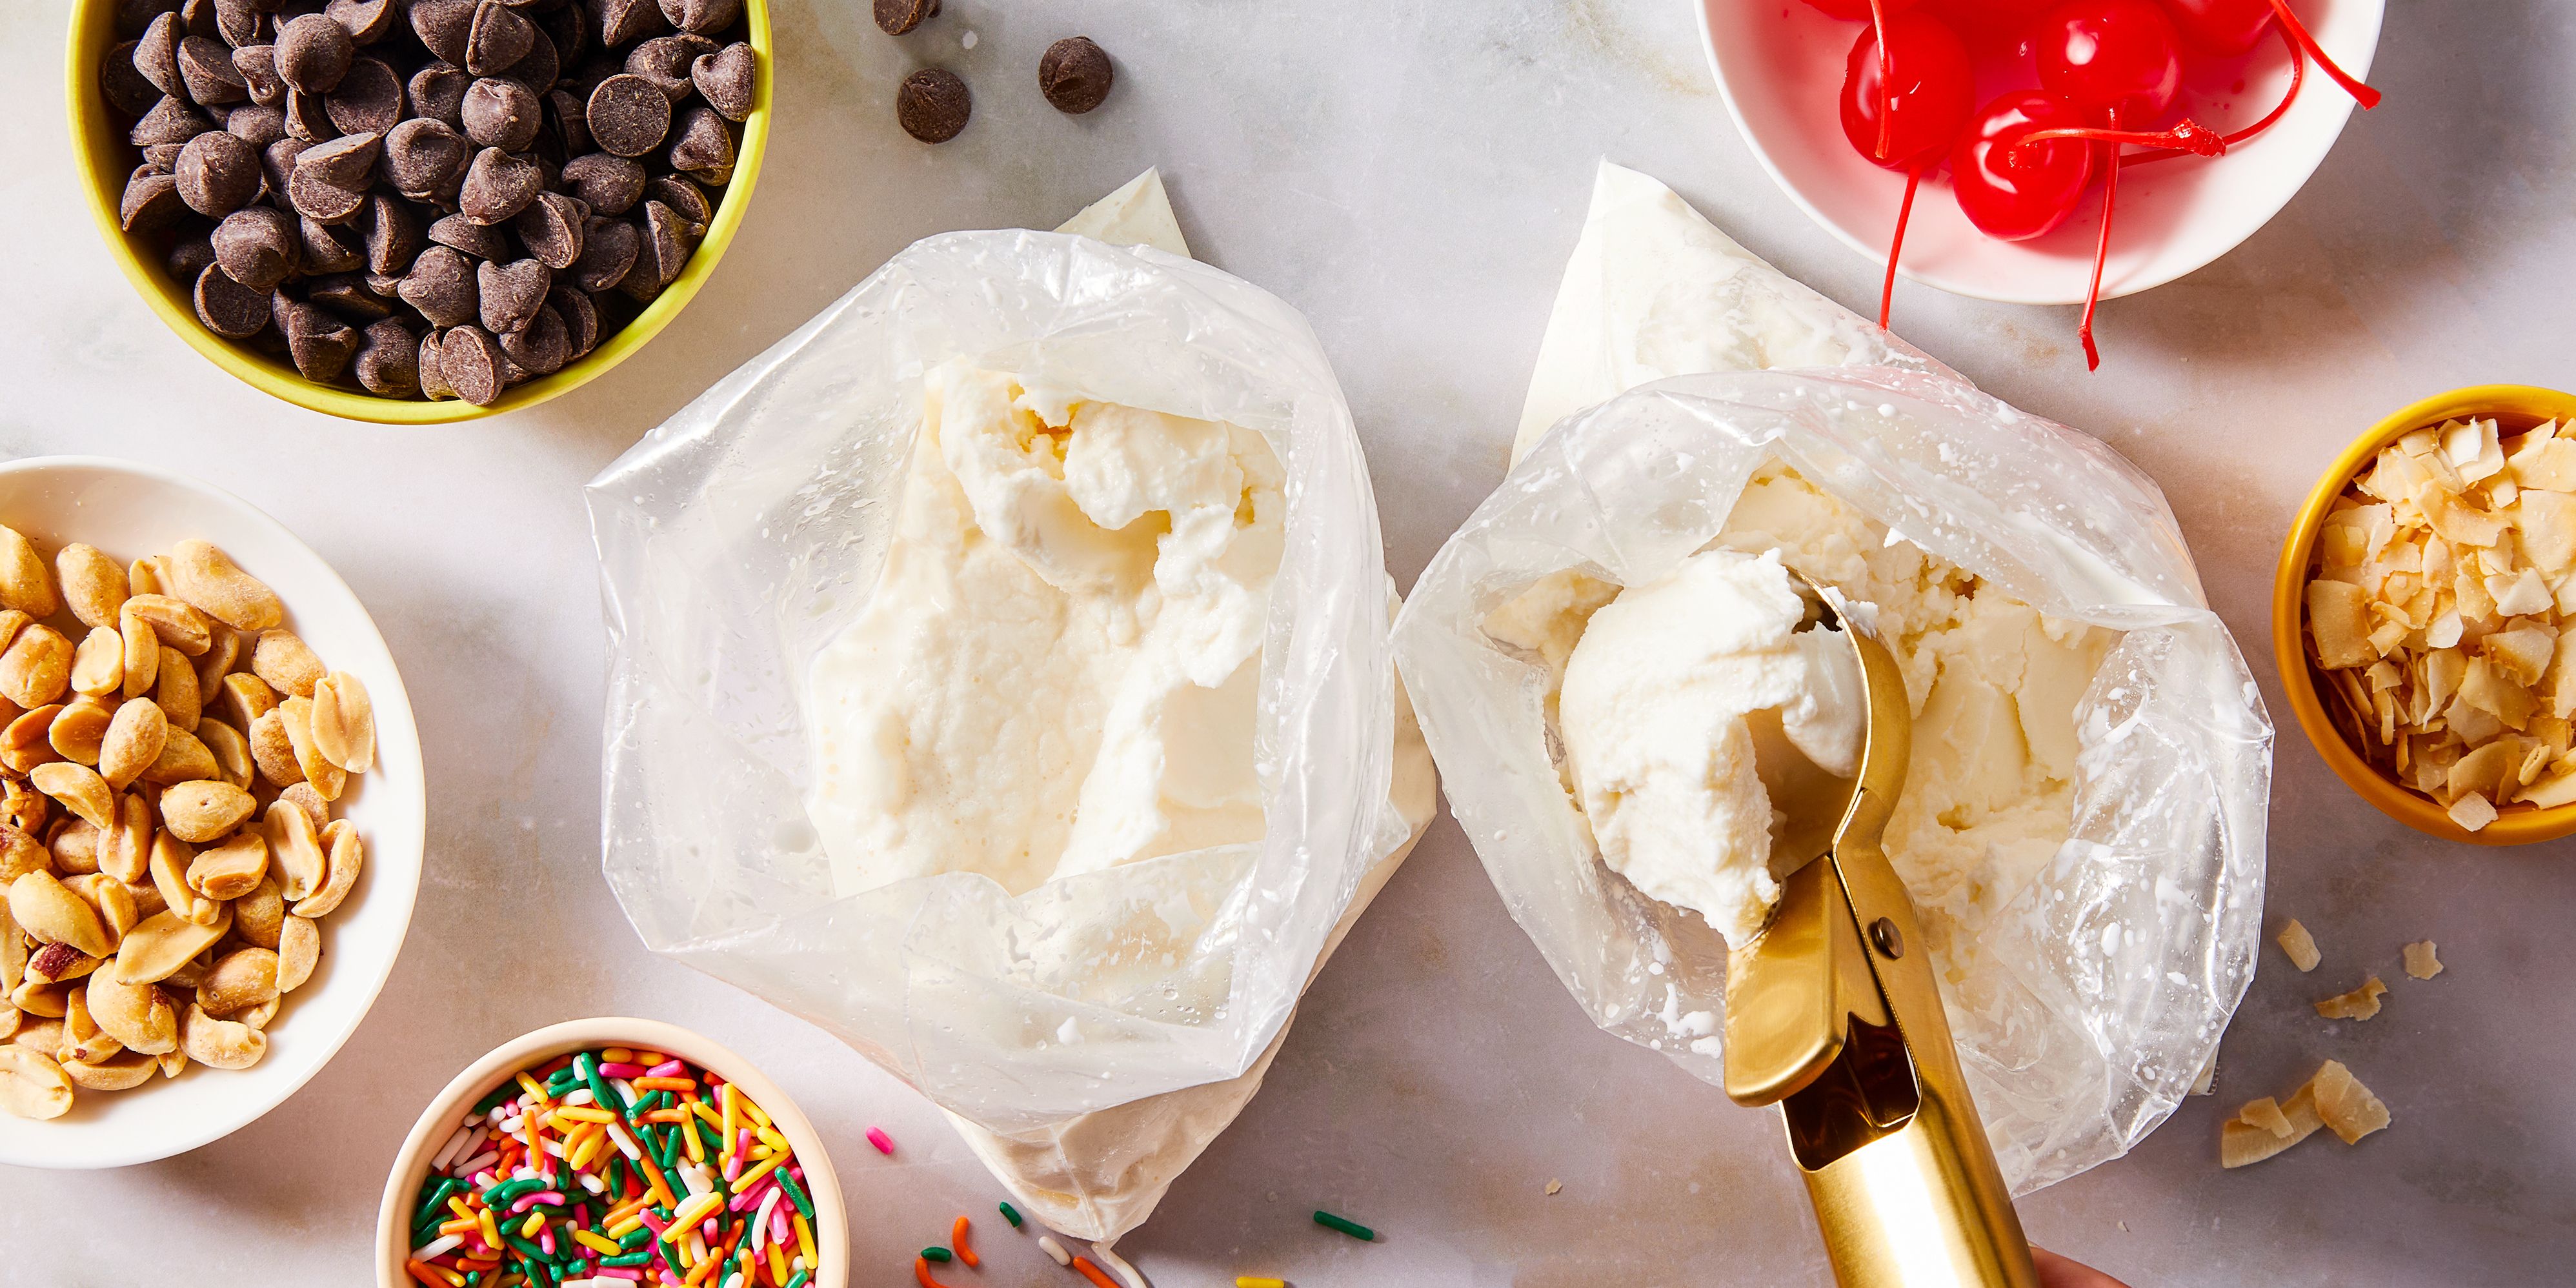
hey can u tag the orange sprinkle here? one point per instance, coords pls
(957, 1241)
(423, 1273)
(699, 1272)
(666, 1084)
(921, 1273)
(1083, 1266)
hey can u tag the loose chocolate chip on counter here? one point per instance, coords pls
(217, 173)
(542, 346)
(255, 125)
(580, 319)
(665, 61)
(686, 199)
(206, 70)
(189, 257)
(703, 17)
(369, 99)
(345, 162)
(471, 363)
(425, 159)
(498, 186)
(313, 53)
(151, 201)
(330, 248)
(256, 245)
(258, 67)
(367, 21)
(727, 79)
(474, 239)
(500, 114)
(510, 293)
(900, 16)
(498, 37)
(1075, 74)
(932, 104)
(567, 131)
(321, 201)
(394, 235)
(132, 16)
(626, 21)
(608, 184)
(551, 229)
(389, 361)
(228, 308)
(347, 295)
(445, 27)
(608, 249)
(438, 92)
(308, 117)
(441, 286)
(701, 147)
(170, 121)
(320, 344)
(627, 115)
(156, 54)
(127, 89)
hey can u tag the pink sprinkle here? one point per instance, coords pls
(876, 1137)
(743, 1202)
(546, 1239)
(669, 1278)
(708, 1229)
(621, 1069)
(651, 1222)
(527, 1201)
(778, 1221)
(669, 1069)
(630, 1273)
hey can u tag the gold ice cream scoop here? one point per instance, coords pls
(1832, 1014)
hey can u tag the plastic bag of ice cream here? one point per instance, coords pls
(2082, 827)
(999, 679)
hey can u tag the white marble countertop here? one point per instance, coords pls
(1412, 176)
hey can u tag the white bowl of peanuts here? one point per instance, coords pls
(209, 858)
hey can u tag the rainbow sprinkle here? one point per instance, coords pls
(883, 1142)
(614, 1168)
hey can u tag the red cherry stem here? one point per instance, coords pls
(2101, 253)
(2298, 78)
(2362, 94)
(1896, 245)
(1886, 84)
(2187, 135)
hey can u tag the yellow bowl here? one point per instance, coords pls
(448, 1110)
(2514, 407)
(106, 158)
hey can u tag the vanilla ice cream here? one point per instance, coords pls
(1058, 668)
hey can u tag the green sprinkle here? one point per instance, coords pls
(534, 1254)
(1012, 1215)
(503, 1193)
(1346, 1226)
(795, 1192)
(934, 1254)
(434, 1197)
(801, 1277)
(635, 1238)
(643, 1258)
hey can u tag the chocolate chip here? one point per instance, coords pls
(900, 16)
(685, 199)
(162, 158)
(258, 67)
(608, 184)
(438, 92)
(727, 79)
(551, 229)
(206, 69)
(320, 344)
(277, 161)
(626, 21)
(156, 54)
(441, 285)
(197, 18)
(132, 16)
(308, 117)
(388, 362)
(346, 162)
(425, 159)
(580, 319)
(234, 22)
(369, 99)
(367, 21)
(1075, 74)
(511, 293)
(433, 382)
(170, 121)
(256, 245)
(127, 89)
(228, 308)
(608, 250)
(567, 127)
(704, 17)
(542, 346)
(665, 60)
(474, 239)
(444, 27)
(593, 70)
(701, 147)
(313, 53)
(151, 201)
(567, 28)
(500, 114)
(330, 248)
(189, 257)
(471, 363)
(932, 105)
(255, 125)
(539, 66)
(497, 186)
(321, 201)
(626, 114)
(393, 235)
(668, 239)
(348, 295)
(218, 173)
(498, 37)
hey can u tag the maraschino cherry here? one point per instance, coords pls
(2228, 28)
(1903, 101)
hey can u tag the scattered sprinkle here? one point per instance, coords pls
(957, 1239)
(1346, 1226)
(1119, 1264)
(921, 1273)
(2420, 961)
(940, 1255)
(1047, 1243)
(1554, 1186)
(883, 1142)
(1255, 1281)
(1012, 1215)
(1083, 1267)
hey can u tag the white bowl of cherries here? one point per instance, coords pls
(2001, 119)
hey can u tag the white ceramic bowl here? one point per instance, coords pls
(127, 509)
(1779, 65)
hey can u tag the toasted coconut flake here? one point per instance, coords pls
(2359, 1004)
(2300, 945)
(2421, 963)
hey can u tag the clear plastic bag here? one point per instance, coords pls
(742, 534)
(2121, 962)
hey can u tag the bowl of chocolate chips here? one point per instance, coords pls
(412, 211)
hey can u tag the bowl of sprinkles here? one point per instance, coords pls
(605, 1153)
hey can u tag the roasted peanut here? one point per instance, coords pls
(32, 1085)
(183, 759)
(13, 950)
(296, 718)
(177, 691)
(201, 810)
(125, 853)
(42, 1034)
(57, 963)
(246, 698)
(79, 730)
(80, 790)
(146, 576)
(272, 750)
(208, 578)
(50, 914)
(220, 1044)
(20, 854)
(230, 750)
(176, 621)
(41, 999)
(258, 1016)
(259, 915)
(341, 841)
(173, 1062)
(21, 805)
(74, 846)
(148, 902)
(92, 584)
(109, 898)
(158, 948)
(299, 949)
(303, 866)
(82, 1038)
(286, 663)
(28, 741)
(217, 662)
(310, 801)
(230, 869)
(11, 622)
(192, 972)
(119, 1072)
(98, 664)
(25, 583)
(37, 668)
(136, 1015)
(10, 1017)
(344, 722)
(169, 867)
(134, 740)
(244, 977)
(141, 654)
